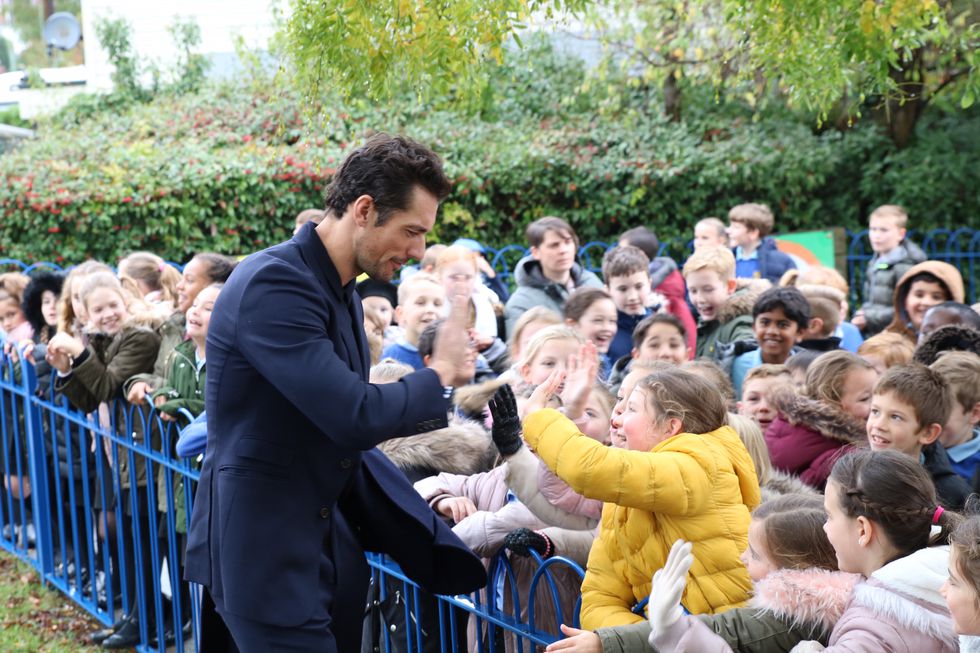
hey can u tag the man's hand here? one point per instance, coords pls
(138, 392)
(458, 508)
(859, 320)
(506, 430)
(452, 343)
(664, 607)
(577, 641)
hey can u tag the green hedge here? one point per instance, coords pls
(228, 169)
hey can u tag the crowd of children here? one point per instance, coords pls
(738, 460)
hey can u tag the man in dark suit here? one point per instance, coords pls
(292, 490)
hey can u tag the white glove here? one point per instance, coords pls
(664, 607)
(807, 646)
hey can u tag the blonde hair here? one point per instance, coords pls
(826, 376)
(605, 397)
(430, 257)
(755, 443)
(753, 216)
(825, 303)
(891, 211)
(765, 371)
(714, 222)
(453, 254)
(821, 275)
(151, 270)
(107, 280)
(535, 314)
(961, 371)
(388, 370)
(892, 348)
(417, 279)
(12, 285)
(687, 397)
(546, 335)
(715, 258)
(66, 311)
(713, 372)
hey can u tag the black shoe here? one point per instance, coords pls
(100, 636)
(126, 637)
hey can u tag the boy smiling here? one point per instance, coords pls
(909, 407)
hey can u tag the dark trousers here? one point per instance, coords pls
(222, 632)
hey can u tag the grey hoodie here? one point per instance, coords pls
(534, 289)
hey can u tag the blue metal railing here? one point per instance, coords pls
(106, 546)
(960, 247)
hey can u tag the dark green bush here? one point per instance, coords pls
(228, 168)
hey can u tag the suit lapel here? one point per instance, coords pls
(345, 303)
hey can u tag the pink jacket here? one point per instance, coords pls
(899, 609)
(811, 599)
(484, 532)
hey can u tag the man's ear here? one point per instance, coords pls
(399, 312)
(425, 360)
(535, 251)
(364, 211)
(929, 433)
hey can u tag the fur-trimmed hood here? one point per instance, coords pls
(747, 291)
(805, 597)
(463, 447)
(40, 282)
(827, 420)
(906, 592)
(781, 483)
(948, 274)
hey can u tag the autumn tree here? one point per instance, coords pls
(835, 58)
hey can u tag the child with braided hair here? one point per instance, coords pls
(882, 520)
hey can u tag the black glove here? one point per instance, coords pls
(522, 540)
(506, 430)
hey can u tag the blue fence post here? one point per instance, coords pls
(37, 466)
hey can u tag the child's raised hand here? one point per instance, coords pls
(578, 641)
(664, 608)
(580, 376)
(506, 429)
(544, 393)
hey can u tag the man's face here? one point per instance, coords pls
(556, 253)
(934, 318)
(381, 250)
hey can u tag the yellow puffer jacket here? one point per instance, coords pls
(699, 488)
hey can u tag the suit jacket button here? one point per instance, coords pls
(345, 463)
(324, 513)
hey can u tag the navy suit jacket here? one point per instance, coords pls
(292, 490)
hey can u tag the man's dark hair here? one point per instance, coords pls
(536, 231)
(790, 299)
(644, 239)
(387, 168)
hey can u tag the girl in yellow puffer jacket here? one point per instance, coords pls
(684, 474)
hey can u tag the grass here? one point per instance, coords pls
(36, 618)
